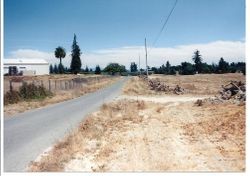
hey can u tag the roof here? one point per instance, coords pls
(25, 61)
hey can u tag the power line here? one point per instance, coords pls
(165, 23)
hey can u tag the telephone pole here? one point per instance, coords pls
(139, 64)
(146, 56)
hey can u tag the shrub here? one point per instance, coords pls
(26, 92)
(31, 91)
(11, 97)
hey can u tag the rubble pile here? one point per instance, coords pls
(234, 92)
(157, 85)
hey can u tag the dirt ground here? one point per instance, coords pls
(155, 133)
(58, 96)
(202, 84)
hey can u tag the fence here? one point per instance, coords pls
(54, 85)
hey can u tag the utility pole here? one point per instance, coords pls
(139, 64)
(146, 56)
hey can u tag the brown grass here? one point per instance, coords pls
(93, 129)
(59, 96)
(131, 136)
(202, 84)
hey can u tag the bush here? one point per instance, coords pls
(11, 97)
(26, 92)
(31, 91)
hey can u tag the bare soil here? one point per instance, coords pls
(201, 84)
(146, 131)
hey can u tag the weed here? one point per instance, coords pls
(11, 97)
(26, 92)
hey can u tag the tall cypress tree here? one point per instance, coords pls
(51, 70)
(167, 72)
(198, 61)
(75, 64)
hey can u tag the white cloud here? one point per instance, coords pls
(231, 51)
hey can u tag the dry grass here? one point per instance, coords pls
(131, 136)
(202, 84)
(89, 136)
(136, 86)
(59, 96)
(154, 135)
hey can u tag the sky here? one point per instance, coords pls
(114, 30)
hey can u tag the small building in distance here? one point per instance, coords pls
(26, 67)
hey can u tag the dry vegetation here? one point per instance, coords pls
(145, 130)
(203, 84)
(143, 136)
(59, 96)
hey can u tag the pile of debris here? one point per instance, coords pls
(234, 92)
(143, 77)
(157, 85)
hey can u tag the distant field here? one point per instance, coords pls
(202, 84)
(145, 130)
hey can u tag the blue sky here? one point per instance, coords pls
(102, 25)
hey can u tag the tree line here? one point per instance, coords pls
(185, 68)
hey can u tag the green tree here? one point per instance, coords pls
(113, 68)
(60, 53)
(133, 67)
(172, 70)
(205, 68)
(167, 68)
(61, 68)
(86, 69)
(187, 68)
(76, 63)
(198, 61)
(155, 70)
(97, 70)
(55, 69)
(223, 66)
(51, 70)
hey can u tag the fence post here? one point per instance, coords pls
(55, 84)
(49, 86)
(11, 87)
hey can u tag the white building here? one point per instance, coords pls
(27, 66)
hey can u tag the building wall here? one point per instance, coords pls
(37, 69)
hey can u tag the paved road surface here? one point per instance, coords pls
(28, 134)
